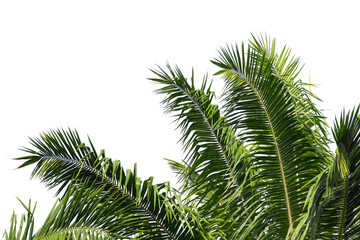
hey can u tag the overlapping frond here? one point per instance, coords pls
(154, 210)
(286, 68)
(334, 205)
(215, 166)
(85, 213)
(261, 104)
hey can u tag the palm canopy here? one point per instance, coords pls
(257, 166)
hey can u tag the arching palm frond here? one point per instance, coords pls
(154, 210)
(215, 166)
(80, 214)
(85, 213)
(259, 103)
(287, 68)
(335, 201)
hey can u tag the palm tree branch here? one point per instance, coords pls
(109, 181)
(274, 137)
(68, 160)
(217, 167)
(333, 205)
(277, 150)
(287, 71)
(261, 105)
(176, 86)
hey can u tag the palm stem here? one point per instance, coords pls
(277, 151)
(343, 210)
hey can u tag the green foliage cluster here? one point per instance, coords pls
(258, 166)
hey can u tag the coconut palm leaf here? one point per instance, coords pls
(259, 103)
(206, 141)
(80, 214)
(216, 163)
(334, 203)
(154, 210)
(287, 67)
(85, 214)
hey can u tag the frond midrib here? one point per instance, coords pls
(343, 210)
(276, 145)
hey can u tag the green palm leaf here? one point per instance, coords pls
(85, 214)
(215, 165)
(287, 67)
(154, 210)
(334, 206)
(260, 104)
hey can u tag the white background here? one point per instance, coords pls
(85, 64)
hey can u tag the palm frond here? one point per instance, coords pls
(215, 165)
(259, 103)
(334, 204)
(85, 213)
(286, 68)
(60, 157)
